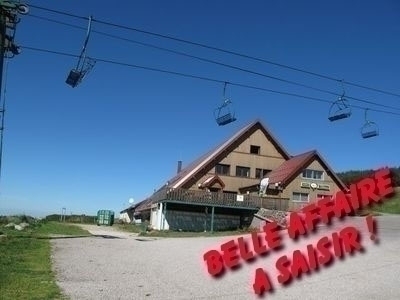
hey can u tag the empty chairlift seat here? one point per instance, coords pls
(224, 114)
(74, 78)
(370, 129)
(340, 109)
(225, 119)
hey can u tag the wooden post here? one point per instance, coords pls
(212, 219)
(165, 215)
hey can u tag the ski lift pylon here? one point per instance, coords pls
(369, 129)
(224, 114)
(10, 5)
(340, 109)
(84, 65)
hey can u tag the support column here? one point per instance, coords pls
(212, 219)
(2, 100)
(164, 216)
(159, 216)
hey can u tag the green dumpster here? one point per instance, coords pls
(105, 217)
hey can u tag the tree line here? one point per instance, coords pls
(72, 218)
(352, 176)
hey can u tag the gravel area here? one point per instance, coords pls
(114, 265)
(274, 215)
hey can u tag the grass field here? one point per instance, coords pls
(390, 205)
(25, 263)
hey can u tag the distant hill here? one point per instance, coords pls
(352, 176)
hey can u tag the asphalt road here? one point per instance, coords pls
(115, 265)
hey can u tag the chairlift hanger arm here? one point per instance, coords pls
(83, 52)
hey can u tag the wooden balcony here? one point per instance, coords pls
(219, 199)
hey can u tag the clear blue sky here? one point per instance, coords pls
(120, 133)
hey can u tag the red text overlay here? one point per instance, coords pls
(233, 253)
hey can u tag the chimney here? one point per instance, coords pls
(179, 166)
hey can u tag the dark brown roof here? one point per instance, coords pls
(143, 205)
(132, 207)
(291, 168)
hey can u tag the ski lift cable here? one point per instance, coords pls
(108, 61)
(220, 63)
(219, 50)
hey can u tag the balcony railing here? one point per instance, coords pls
(220, 199)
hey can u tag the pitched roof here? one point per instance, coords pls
(210, 181)
(289, 169)
(132, 207)
(143, 205)
(220, 151)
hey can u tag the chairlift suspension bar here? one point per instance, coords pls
(84, 65)
(223, 95)
(83, 52)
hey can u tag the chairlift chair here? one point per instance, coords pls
(223, 114)
(369, 129)
(340, 109)
(84, 65)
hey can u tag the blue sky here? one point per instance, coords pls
(120, 133)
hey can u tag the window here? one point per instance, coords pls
(260, 173)
(254, 149)
(320, 196)
(242, 171)
(300, 197)
(313, 174)
(221, 169)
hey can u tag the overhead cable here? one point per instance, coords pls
(164, 36)
(202, 78)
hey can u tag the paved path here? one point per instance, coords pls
(128, 268)
(106, 231)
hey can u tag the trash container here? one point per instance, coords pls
(105, 217)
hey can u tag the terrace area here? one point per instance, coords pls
(219, 199)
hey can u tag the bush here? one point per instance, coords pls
(17, 219)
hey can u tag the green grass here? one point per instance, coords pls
(25, 262)
(57, 228)
(136, 228)
(387, 206)
(390, 206)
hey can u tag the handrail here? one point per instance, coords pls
(218, 199)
